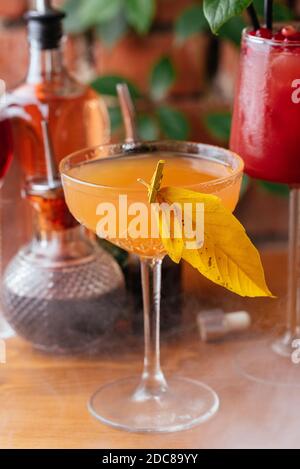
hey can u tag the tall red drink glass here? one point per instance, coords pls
(266, 133)
(265, 128)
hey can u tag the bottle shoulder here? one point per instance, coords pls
(58, 87)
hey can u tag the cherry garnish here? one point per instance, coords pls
(286, 34)
(278, 36)
(265, 33)
(288, 31)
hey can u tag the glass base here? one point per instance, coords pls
(285, 345)
(261, 362)
(184, 404)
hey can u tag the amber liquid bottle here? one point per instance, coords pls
(60, 291)
(76, 115)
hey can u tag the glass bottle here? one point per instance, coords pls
(76, 114)
(60, 290)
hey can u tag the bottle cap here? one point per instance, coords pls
(214, 324)
(237, 321)
(45, 25)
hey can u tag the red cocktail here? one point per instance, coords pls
(265, 129)
(266, 133)
(6, 146)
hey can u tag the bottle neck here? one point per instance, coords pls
(45, 65)
(58, 248)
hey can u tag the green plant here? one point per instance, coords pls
(199, 18)
(159, 118)
(219, 12)
(111, 20)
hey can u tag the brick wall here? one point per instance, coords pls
(124, 58)
(13, 48)
(12, 9)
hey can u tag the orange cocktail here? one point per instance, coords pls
(94, 181)
(104, 180)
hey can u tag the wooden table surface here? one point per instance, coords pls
(43, 398)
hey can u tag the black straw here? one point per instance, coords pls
(269, 13)
(253, 16)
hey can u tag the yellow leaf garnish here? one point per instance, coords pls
(154, 186)
(227, 256)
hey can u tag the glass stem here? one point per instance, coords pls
(293, 305)
(153, 382)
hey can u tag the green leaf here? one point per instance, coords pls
(140, 14)
(219, 124)
(274, 188)
(73, 22)
(115, 116)
(192, 21)
(218, 12)
(84, 14)
(173, 123)
(162, 78)
(147, 127)
(107, 85)
(112, 31)
(232, 30)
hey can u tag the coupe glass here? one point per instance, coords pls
(265, 132)
(149, 403)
